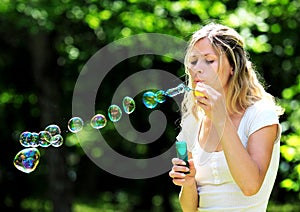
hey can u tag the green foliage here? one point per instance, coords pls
(105, 203)
(290, 149)
(77, 29)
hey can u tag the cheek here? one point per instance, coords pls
(227, 73)
(214, 70)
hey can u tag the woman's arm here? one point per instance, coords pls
(188, 197)
(248, 166)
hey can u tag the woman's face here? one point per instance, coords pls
(203, 64)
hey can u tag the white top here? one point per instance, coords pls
(216, 187)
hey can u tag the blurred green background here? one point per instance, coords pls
(45, 43)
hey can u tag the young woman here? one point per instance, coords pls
(231, 126)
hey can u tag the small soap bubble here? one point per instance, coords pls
(181, 88)
(53, 129)
(98, 121)
(57, 140)
(160, 96)
(27, 160)
(149, 99)
(114, 113)
(128, 104)
(44, 138)
(75, 124)
(34, 142)
(25, 138)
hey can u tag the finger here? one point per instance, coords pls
(203, 102)
(178, 175)
(191, 165)
(177, 161)
(180, 168)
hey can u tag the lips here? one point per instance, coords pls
(198, 81)
(198, 93)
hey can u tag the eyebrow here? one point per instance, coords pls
(203, 55)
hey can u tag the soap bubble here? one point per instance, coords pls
(75, 124)
(128, 104)
(160, 96)
(34, 142)
(57, 140)
(181, 88)
(98, 121)
(27, 160)
(114, 113)
(44, 138)
(25, 138)
(149, 99)
(53, 129)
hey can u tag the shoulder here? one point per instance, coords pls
(262, 109)
(261, 114)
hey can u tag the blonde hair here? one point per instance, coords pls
(244, 86)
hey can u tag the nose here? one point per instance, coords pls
(196, 68)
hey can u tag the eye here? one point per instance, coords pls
(193, 62)
(209, 61)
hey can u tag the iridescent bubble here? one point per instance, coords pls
(25, 138)
(57, 140)
(27, 160)
(98, 121)
(44, 138)
(114, 113)
(34, 142)
(75, 124)
(181, 88)
(149, 99)
(160, 96)
(53, 129)
(128, 104)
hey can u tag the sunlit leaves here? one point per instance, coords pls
(289, 184)
(5, 6)
(95, 16)
(217, 9)
(105, 14)
(290, 149)
(75, 12)
(288, 152)
(276, 28)
(92, 20)
(288, 93)
(259, 44)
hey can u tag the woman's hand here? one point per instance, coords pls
(212, 102)
(177, 172)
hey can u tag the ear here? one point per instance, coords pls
(231, 71)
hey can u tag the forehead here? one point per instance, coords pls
(203, 47)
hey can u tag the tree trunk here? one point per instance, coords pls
(46, 77)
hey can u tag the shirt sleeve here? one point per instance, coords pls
(264, 116)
